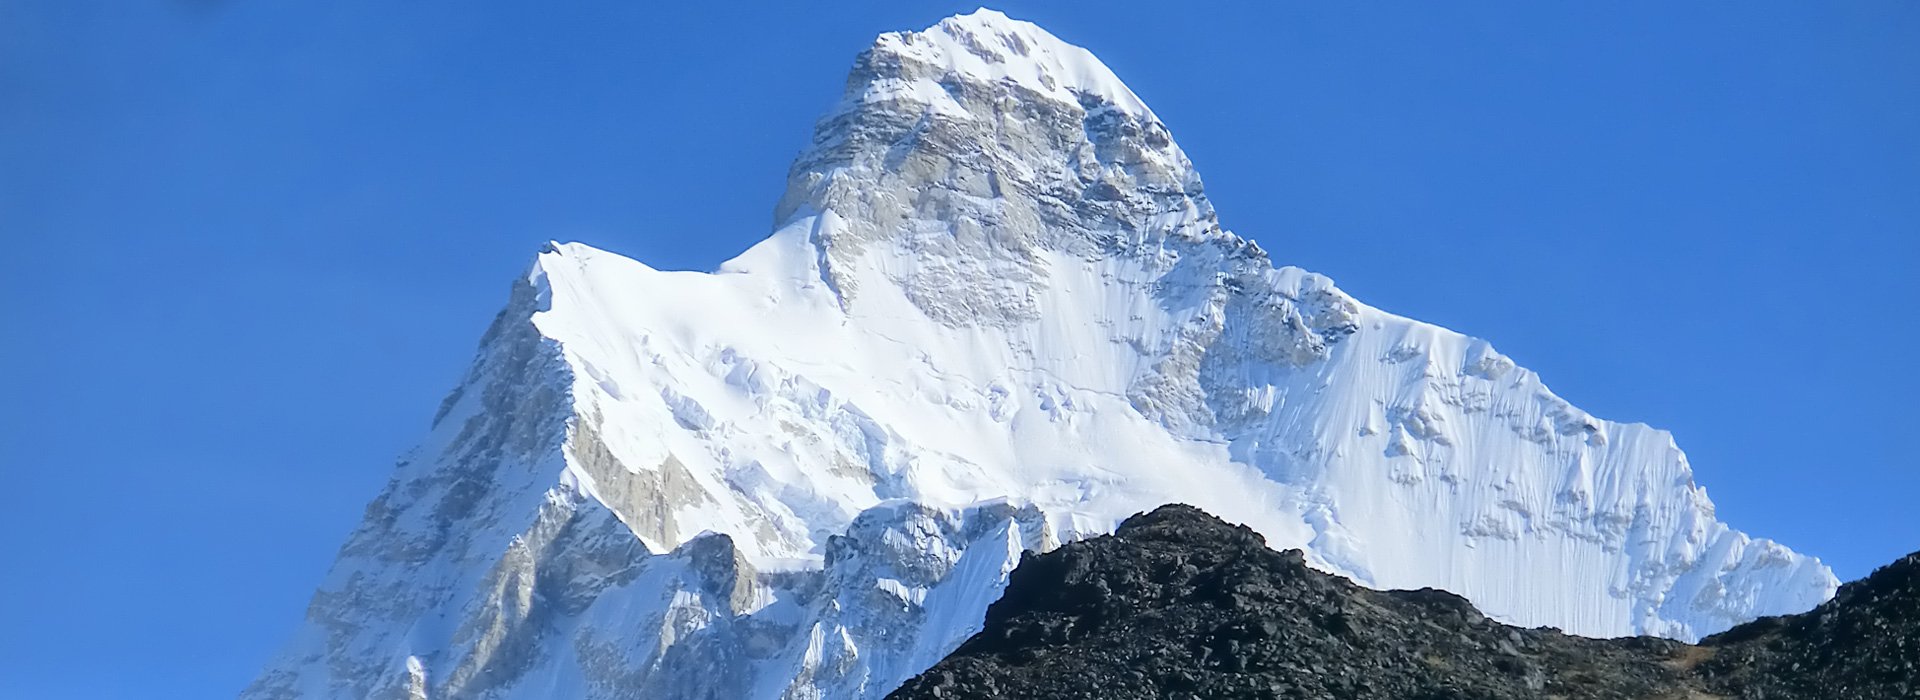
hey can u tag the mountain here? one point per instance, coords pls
(1177, 603)
(997, 313)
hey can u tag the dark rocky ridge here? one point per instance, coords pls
(1178, 604)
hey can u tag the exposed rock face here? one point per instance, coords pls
(997, 313)
(1179, 604)
(976, 148)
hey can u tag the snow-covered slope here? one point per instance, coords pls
(997, 313)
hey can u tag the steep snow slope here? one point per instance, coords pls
(997, 313)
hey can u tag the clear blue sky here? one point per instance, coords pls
(250, 243)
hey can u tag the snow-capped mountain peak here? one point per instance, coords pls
(986, 46)
(997, 313)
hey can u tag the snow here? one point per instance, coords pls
(1486, 483)
(998, 314)
(987, 46)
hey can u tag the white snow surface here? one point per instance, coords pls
(996, 314)
(988, 46)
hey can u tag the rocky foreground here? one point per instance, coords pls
(1179, 604)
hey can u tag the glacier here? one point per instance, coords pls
(997, 313)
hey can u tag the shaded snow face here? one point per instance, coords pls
(997, 313)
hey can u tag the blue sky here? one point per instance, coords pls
(251, 243)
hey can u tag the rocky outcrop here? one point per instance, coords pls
(1865, 643)
(1179, 604)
